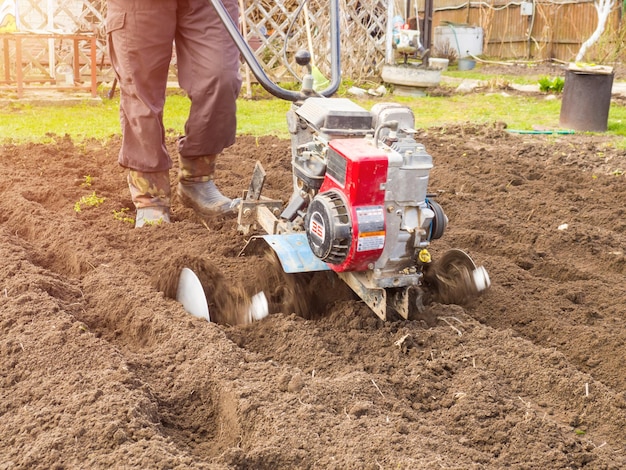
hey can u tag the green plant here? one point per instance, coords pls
(551, 85)
(88, 201)
(122, 215)
(88, 182)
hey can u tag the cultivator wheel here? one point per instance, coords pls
(455, 279)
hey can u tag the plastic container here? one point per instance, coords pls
(465, 40)
(466, 64)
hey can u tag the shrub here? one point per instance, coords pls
(551, 85)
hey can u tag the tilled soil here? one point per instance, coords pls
(100, 369)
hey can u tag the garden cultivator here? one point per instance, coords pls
(360, 205)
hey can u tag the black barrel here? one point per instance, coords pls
(586, 100)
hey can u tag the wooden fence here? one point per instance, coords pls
(52, 35)
(555, 29)
(276, 29)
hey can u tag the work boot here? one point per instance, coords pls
(206, 199)
(197, 190)
(152, 216)
(150, 192)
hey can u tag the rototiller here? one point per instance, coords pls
(360, 204)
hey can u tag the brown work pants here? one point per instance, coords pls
(141, 34)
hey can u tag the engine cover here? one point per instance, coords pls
(345, 222)
(330, 227)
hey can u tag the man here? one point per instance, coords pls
(141, 35)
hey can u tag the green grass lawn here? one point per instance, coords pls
(22, 122)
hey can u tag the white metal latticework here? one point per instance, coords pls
(279, 29)
(276, 30)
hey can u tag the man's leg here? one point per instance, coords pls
(208, 68)
(141, 33)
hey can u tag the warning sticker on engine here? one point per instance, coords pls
(371, 241)
(371, 223)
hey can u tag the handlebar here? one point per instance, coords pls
(259, 73)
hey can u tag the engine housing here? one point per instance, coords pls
(360, 186)
(348, 212)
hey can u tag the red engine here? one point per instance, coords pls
(345, 222)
